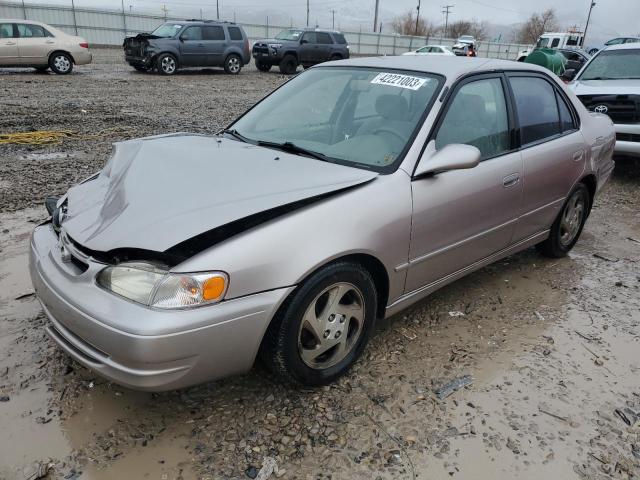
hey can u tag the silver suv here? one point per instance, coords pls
(190, 43)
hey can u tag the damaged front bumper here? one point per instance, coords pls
(136, 346)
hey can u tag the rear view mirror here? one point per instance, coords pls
(455, 156)
(568, 74)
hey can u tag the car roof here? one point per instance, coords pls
(450, 67)
(623, 46)
(22, 20)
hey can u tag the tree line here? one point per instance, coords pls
(527, 32)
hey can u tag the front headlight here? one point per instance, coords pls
(153, 286)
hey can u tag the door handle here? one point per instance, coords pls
(50, 41)
(511, 180)
(10, 43)
(577, 156)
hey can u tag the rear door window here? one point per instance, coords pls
(213, 33)
(6, 30)
(537, 109)
(323, 38)
(477, 116)
(31, 31)
(235, 33)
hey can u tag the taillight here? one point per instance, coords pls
(84, 45)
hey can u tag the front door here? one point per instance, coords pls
(8, 44)
(308, 48)
(463, 216)
(553, 150)
(192, 47)
(34, 44)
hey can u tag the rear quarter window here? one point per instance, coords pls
(339, 38)
(235, 33)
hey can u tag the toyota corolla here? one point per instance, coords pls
(351, 192)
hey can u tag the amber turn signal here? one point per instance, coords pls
(213, 288)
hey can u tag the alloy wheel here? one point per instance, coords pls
(233, 64)
(331, 326)
(572, 218)
(168, 65)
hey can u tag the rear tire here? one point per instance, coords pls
(263, 66)
(167, 64)
(233, 64)
(289, 64)
(567, 227)
(323, 327)
(61, 63)
(335, 57)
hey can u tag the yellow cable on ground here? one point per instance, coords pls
(55, 137)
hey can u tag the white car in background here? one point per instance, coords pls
(24, 43)
(610, 83)
(431, 50)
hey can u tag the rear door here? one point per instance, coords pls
(215, 44)
(325, 46)
(192, 47)
(553, 150)
(463, 216)
(34, 44)
(9, 44)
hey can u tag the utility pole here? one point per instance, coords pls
(24, 10)
(333, 19)
(417, 19)
(218, 9)
(584, 37)
(446, 11)
(375, 15)
(164, 11)
(307, 13)
(75, 21)
(201, 17)
(124, 19)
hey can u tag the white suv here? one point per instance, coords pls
(610, 83)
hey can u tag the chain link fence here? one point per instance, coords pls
(109, 27)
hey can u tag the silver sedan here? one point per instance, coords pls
(351, 192)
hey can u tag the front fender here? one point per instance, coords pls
(373, 219)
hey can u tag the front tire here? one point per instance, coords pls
(567, 227)
(167, 64)
(288, 65)
(61, 63)
(263, 66)
(323, 327)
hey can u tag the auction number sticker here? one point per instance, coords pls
(397, 80)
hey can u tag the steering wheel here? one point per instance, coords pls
(400, 137)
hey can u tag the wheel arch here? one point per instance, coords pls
(591, 183)
(291, 52)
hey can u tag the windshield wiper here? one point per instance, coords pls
(237, 135)
(293, 148)
(598, 78)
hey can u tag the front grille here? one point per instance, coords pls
(628, 137)
(620, 108)
(260, 48)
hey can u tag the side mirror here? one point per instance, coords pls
(569, 74)
(181, 38)
(303, 41)
(455, 156)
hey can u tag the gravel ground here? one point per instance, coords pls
(551, 346)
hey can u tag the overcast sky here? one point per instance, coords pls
(610, 18)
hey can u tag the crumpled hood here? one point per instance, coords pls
(606, 87)
(160, 191)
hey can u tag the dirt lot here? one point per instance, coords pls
(552, 347)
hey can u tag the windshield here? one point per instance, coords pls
(613, 65)
(362, 117)
(289, 35)
(167, 30)
(542, 42)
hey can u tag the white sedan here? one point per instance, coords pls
(431, 50)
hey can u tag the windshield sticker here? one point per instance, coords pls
(177, 26)
(397, 80)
